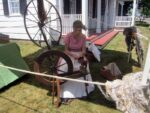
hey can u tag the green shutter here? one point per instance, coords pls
(23, 4)
(5, 7)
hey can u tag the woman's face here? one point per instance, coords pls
(77, 31)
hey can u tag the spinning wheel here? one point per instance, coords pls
(44, 28)
(49, 63)
(42, 23)
(53, 62)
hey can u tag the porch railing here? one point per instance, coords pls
(123, 21)
(67, 21)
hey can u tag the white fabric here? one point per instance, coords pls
(113, 69)
(92, 48)
(74, 89)
(129, 94)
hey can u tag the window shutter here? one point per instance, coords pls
(23, 4)
(5, 7)
(78, 7)
(103, 7)
(66, 6)
(94, 9)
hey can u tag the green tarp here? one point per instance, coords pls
(10, 56)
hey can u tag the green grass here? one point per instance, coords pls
(29, 96)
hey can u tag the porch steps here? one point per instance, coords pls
(97, 36)
(103, 39)
(102, 42)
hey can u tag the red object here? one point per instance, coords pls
(106, 38)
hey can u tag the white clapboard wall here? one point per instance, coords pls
(13, 25)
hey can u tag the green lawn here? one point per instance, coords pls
(28, 96)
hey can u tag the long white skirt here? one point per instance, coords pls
(72, 89)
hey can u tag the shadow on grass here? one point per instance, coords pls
(108, 56)
(96, 97)
(118, 57)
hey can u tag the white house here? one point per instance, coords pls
(97, 15)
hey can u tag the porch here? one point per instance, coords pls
(123, 21)
(96, 15)
(68, 19)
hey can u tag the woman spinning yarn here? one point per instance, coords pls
(75, 49)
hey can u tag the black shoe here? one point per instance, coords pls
(66, 101)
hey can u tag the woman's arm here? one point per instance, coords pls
(83, 47)
(83, 50)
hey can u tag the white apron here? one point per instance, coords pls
(72, 89)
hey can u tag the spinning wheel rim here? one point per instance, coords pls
(37, 22)
(40, 59)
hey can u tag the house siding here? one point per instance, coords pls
(14, 25)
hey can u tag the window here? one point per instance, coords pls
(14, 7)
(94, 9)
(72, 6)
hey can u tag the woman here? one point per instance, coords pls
(75, 49)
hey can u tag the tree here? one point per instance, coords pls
(145, 7)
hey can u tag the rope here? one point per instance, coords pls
(52, 76)
(140, 35)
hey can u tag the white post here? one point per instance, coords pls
(146, 71)
(117, 6)
(60, 7)
(105, 17)
(98, 29)
(122, 4)
(133, 13)
(114, 13)
(85, 15)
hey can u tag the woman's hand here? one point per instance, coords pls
(76, 57)
(79, 56)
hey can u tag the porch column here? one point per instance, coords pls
(117, 7)
(99, 23)
(122, 4)
(60, 7)
(105, 17)
(146, 71)
(133, 13)
(114, 12)
(110, 13)
(85, 15)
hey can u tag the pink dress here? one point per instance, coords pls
(75, 89)
(73, 43)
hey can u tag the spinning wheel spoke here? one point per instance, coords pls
(51, 20)
(33, 15)
(53, 29)
(32, 20)
(49, 25)
(36, 34)
(60, 65)
(31, 26)
(35, 7)
(49, 33)
(49, 10)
